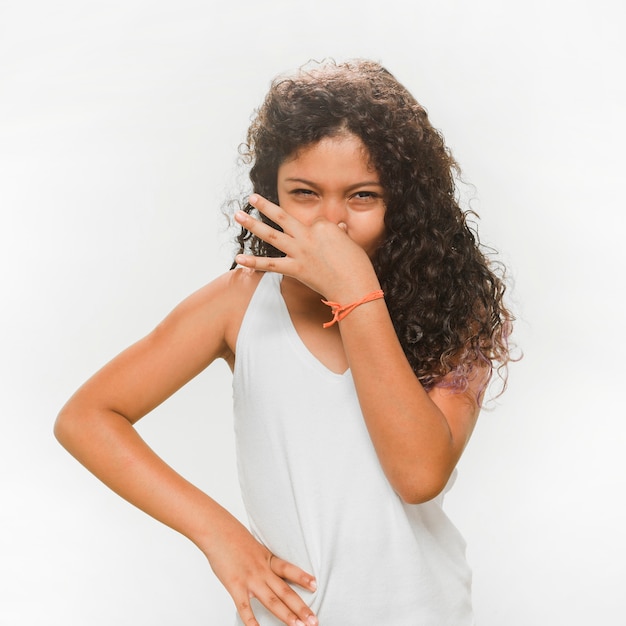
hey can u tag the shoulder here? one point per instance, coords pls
(215, 310)
(227, 292)
(231, 288)
(229, 296)
(240, 286)
(461, 406)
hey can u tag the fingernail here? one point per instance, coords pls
(299, 623)
(312, 620)
(253, 198)
(313, 585)
(240, 216)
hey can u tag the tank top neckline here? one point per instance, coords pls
(295, 338)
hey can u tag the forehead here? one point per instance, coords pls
(345, 152)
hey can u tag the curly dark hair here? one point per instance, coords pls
(444, 295)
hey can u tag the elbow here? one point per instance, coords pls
(63, 428)
(418, 496)
(420, 488)
(70, 425)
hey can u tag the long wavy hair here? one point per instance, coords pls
(444, 295)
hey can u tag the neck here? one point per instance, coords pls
(301, 299)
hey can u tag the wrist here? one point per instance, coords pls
(353, 288)
(212, 528)
(340, 311)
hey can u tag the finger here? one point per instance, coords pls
(289, 571)
(281, 600)
(244, 608)
(267, 233)
(275, 604)
(278, 215)
(279, 265)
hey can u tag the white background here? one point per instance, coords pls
(119, 124)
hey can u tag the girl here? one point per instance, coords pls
(361, 322)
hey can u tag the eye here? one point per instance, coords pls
(366, 195)
(302, 192)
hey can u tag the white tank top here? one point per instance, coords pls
(315, 493)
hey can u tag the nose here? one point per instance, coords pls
(334, 210)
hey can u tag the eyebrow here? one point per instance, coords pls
(365, 183)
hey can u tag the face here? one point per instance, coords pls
(333, 179)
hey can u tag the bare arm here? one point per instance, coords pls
(418, 436)
(96, 426)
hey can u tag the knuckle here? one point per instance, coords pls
(273, 600)
(245, 612)
(285, 589)
(280, 215)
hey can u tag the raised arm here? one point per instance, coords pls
(96, 426)
(418, 436)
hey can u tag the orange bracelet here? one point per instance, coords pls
(340, 311)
